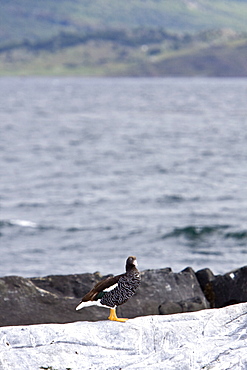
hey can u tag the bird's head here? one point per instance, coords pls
(131, 263)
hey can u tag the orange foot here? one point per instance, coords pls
(113, 316)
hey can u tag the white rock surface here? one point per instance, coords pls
(209, 339)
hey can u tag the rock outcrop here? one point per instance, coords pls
(224, 290)
(208, 339)
(53, 299)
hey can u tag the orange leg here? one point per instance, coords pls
(113, 316)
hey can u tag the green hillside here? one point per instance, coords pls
(137, 53)
(31, 19)
(117, 38)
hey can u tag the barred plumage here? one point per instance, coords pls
(127, 285)
(114, 291)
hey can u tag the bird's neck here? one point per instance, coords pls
(131, 269)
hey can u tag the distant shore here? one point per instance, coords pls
(128, 53)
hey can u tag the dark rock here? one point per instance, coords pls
(180, 292)
(161, 286)
(53, 299)
(68, 285)
(224, 290)
(189, 305)
(204, 276)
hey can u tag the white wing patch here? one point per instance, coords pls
(96, 303)
(88, 304)
(85, 304)
(110, 288)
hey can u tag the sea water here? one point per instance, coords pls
(93, 170)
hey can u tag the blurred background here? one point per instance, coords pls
(123, 130)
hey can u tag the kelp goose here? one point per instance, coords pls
(114, 291)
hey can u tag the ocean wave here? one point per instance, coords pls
(175, 198)
(64, 228)
(31, 204)
(170, 199)
(194, 232)
(239, 235)
(77, 228)
(16, 222)
(24, 224)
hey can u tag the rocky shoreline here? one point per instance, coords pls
(52, 299)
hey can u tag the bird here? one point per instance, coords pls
(114, 290)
